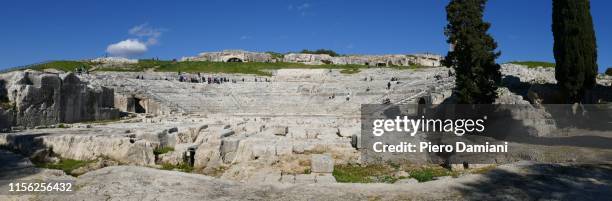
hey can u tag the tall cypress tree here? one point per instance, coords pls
(575, 47)
(473, 54)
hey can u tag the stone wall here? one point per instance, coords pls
(46, 99)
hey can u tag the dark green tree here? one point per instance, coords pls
(321, 51)
(575, 47)
(609, 71)
(473, 52)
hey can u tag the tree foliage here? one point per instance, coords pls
(473, 54)
(320, 51)
(575, 47)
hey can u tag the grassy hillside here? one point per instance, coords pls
(63, 65)
(246, 68)
(255, 68)
(534, 64)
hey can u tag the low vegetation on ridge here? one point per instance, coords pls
(534, 64)
(255, 68)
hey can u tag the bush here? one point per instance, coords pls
(66, 165)
(276, 55)
(321, 51)
(181, 167)
(534, 64)
(609, 71)
(5, 105)
(162, 150)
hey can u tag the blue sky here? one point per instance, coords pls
(35, 31)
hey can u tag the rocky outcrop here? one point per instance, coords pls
(45, 99)
(114, 60)
(121, 149)
(367, 60)
(529, 75)
(231, 56)
(320, 59)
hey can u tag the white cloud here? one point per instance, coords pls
(127, 48)
(144, 31)
(303, 6)
(144, 37)
(245, 37)
(302, 9)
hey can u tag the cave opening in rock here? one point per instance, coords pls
(234, 60)
(138, 107)
(191, 156)
(421, 107)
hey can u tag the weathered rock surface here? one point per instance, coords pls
(322, 163)
(46, 99)
(367, 60)
(231, 56)
(431, 60)
(519, 181)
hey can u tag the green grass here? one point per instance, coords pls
(534, 64)
(162, 150)
(429, 173)
(102, 121)
(181, 167)
(64, 65)
(276, 55)
(384, 173)
(358, 174)
(254, 68)
(66, 165)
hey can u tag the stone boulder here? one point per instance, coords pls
(322, 163)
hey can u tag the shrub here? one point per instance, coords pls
(66, 165)
(162, 150)
(321, 51)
